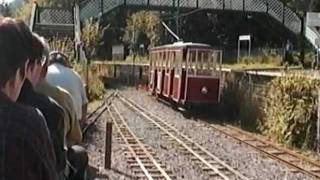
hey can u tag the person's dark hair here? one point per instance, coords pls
(37, 50)
(15, 48)
(60, 58)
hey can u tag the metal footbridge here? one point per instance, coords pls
(50, 22)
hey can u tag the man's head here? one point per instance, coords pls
(38, 59)
(44, 52)
(15, 52)
(60, 58)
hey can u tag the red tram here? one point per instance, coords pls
(186, 73)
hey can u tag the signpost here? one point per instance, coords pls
(244, 38)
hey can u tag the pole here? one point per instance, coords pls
(238, 51)
(318, 124)
(249, 47)
(108, 145)
(177, 18)
(302, 41)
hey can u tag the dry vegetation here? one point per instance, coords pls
(289, 111)
(285, 109)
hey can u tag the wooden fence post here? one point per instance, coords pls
(318, 123)
(108, 145)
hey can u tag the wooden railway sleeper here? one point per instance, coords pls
(148, 166)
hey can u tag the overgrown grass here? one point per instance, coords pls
(258, 62)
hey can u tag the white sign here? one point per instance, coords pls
(118, 49)
(244, 38)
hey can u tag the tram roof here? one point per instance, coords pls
(182, 44)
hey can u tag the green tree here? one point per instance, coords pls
(89, 36)
(143, 28)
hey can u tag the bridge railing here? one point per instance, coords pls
(54, 15)
(275, 8)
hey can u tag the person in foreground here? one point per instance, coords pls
(26, 150)
(53, 113)
(61, 74)
(76, 155)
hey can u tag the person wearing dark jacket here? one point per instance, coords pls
(26, 150)
(53, 113)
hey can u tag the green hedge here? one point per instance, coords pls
(289, 111)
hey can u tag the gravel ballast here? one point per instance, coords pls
(95, 145)
(241, 157)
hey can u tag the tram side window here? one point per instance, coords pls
(178, 63)
(173, 57)
(213, 60)
(152, 60)
(157, 59)
(192, 62)
(167, 59)
(202, 67)
(163, 60)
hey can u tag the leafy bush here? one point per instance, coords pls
(96, 86)
(290, 111)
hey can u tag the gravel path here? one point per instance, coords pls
(241, 157)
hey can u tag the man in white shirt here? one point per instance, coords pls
(61, 74)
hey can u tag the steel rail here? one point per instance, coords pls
(169, 130)
(102, 108)
(101, 105)
(274, 152)
(122, 124)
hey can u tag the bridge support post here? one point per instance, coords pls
(283, 12)
(224, 5)
(177, 17)
(101, 6)
(244, 5)
(302, 40)
(197, 3)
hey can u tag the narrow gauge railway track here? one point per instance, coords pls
(141, 158)
(295, 161)
(94, 116)
(209, 163)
